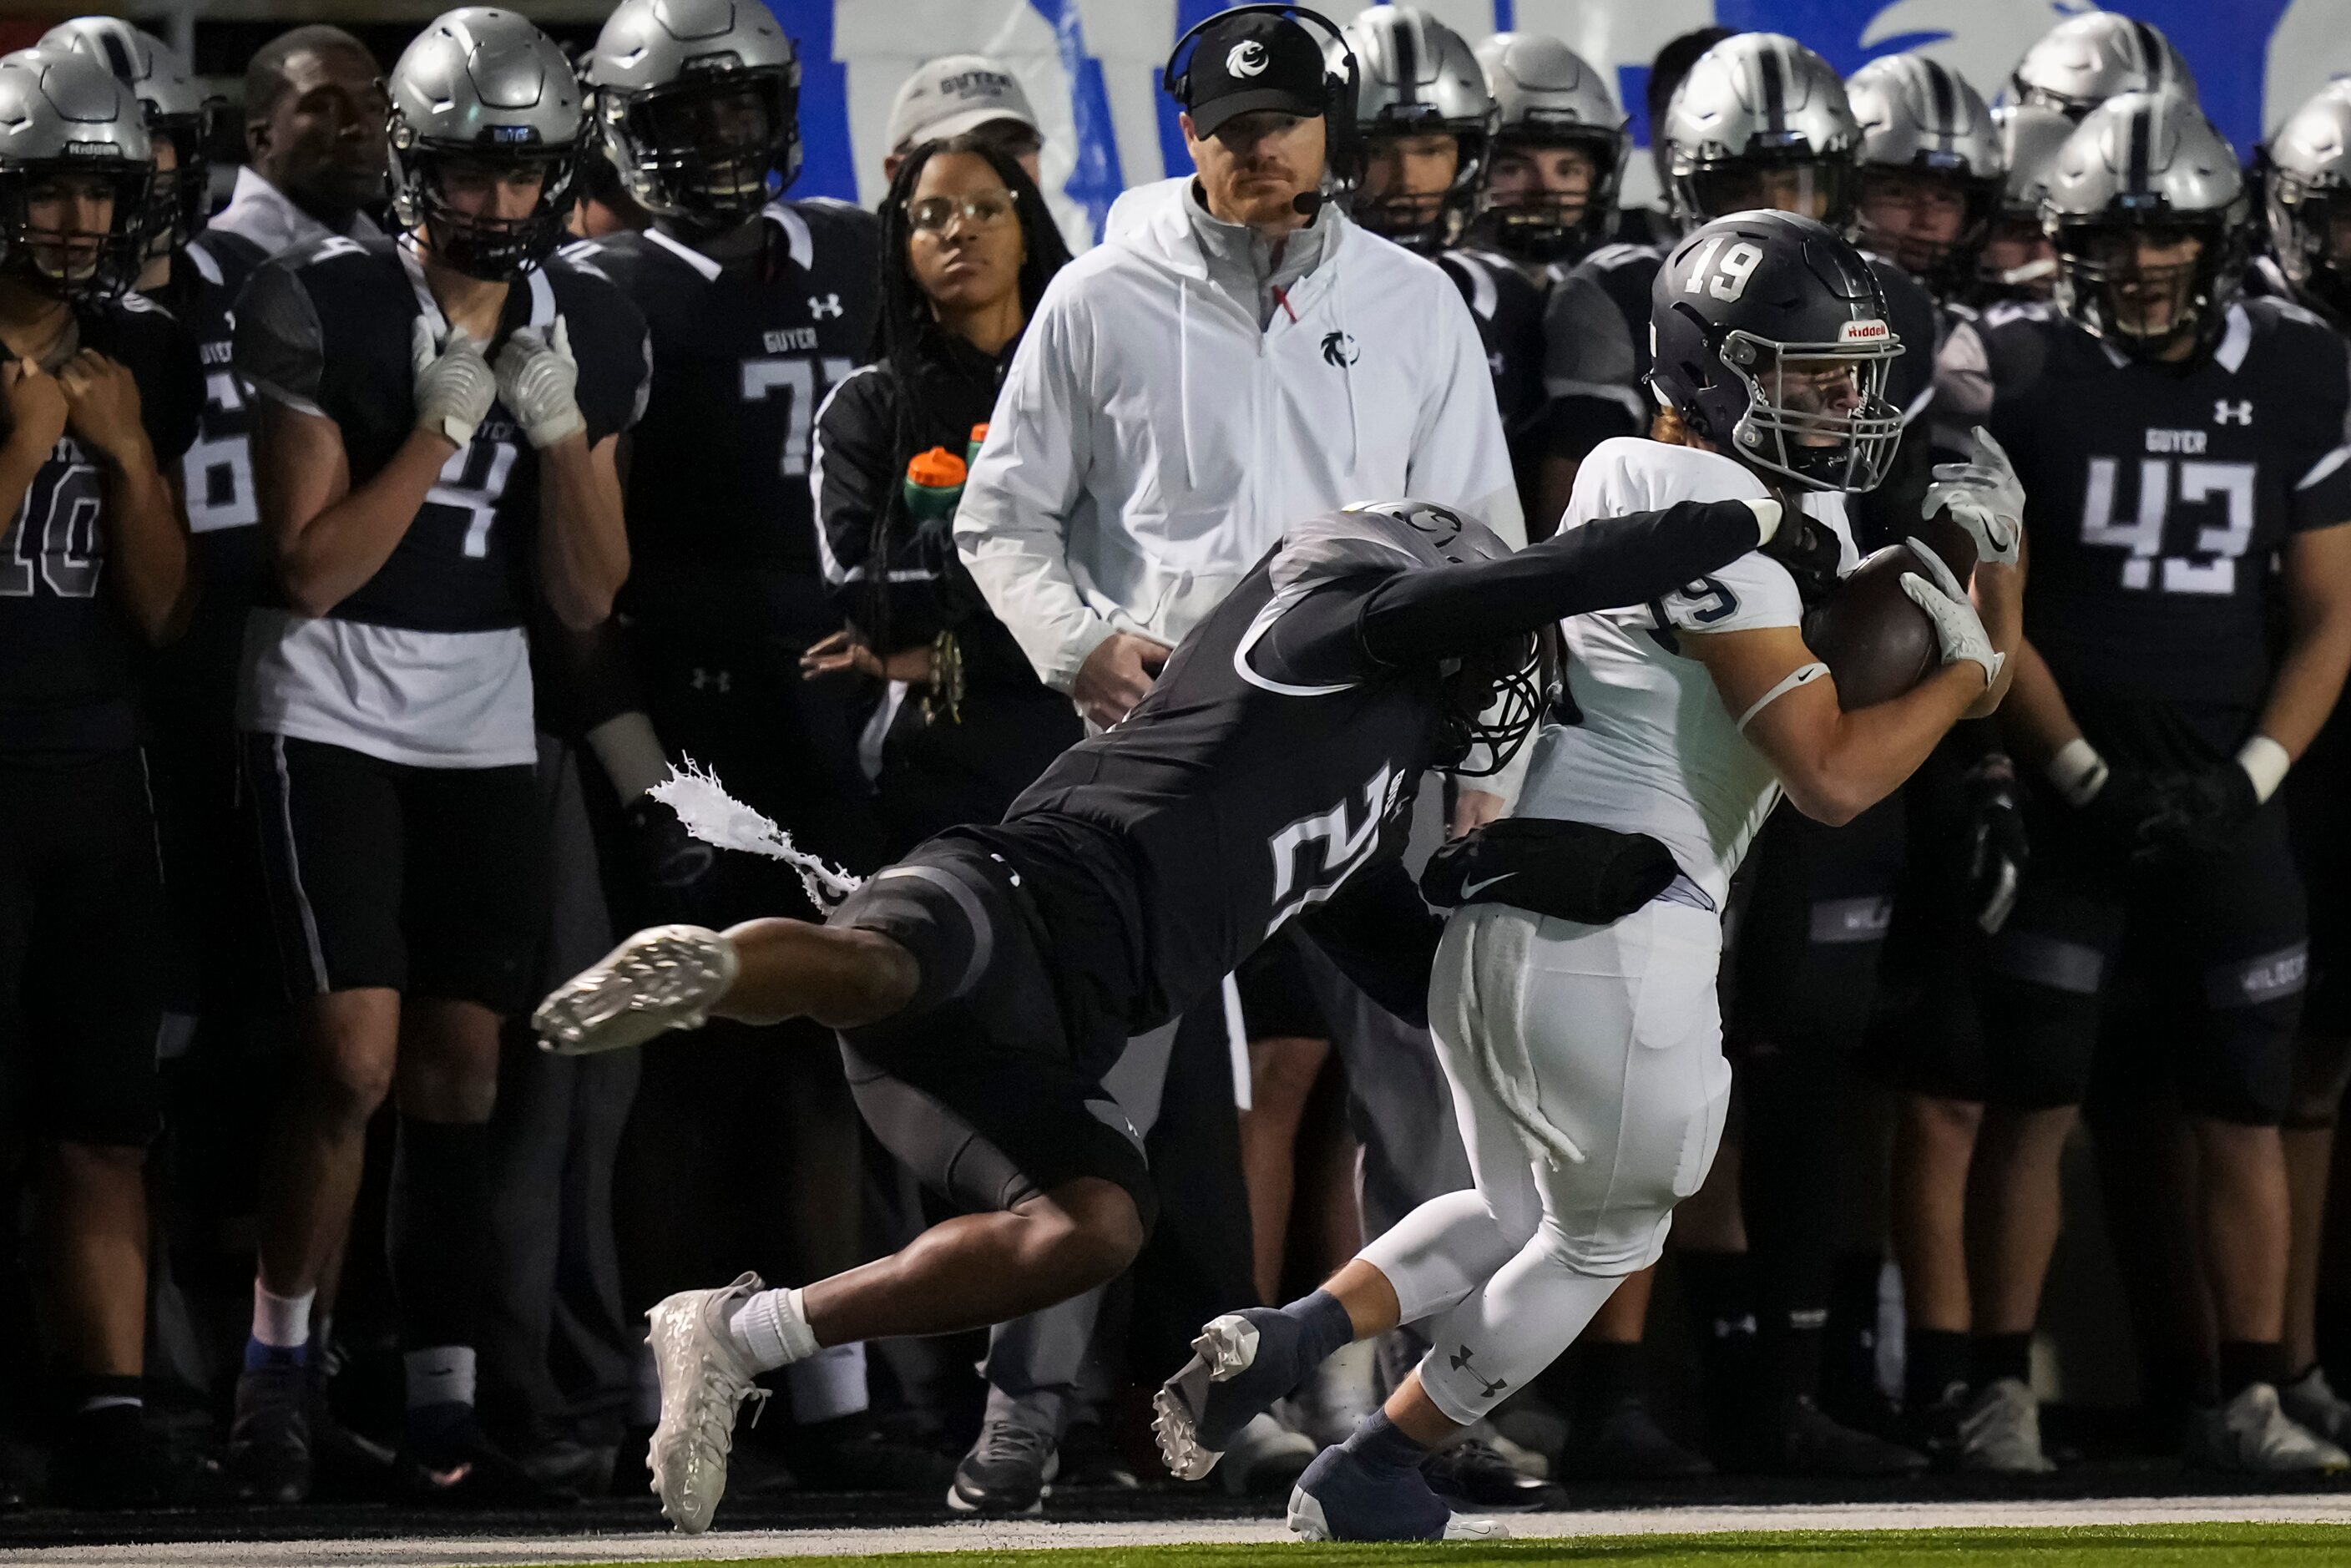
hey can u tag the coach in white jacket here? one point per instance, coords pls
(1222, 366)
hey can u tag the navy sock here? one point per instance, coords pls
(260, 1357)
(1379, 1444)
(1323, 1327)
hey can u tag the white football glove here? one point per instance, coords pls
(1959, 631)
(1984, 498)
(455, 387)
(538, 381)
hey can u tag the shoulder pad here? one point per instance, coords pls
(1609, 257)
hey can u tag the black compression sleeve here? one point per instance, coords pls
(1415, 616)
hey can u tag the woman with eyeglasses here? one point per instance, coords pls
(961, 723)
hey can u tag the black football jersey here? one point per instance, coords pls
(327, 328)
(67, 657)
(718, 469)
(217, 472)
(1507, 307)
(2157, 497)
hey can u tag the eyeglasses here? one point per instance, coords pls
(932, 214)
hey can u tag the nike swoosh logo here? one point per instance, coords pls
(1471, 889)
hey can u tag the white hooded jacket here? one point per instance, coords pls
(1151, 443)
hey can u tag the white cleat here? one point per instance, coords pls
(703, 1383)
(2313, 1403)
(2000, 1432)
(2251, 1435)
(661, 978)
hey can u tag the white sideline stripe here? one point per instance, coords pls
(723, 1546)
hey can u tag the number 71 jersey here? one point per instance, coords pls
(2158, 497)
(718, 468)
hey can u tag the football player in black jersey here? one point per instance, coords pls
(2183, 453)
(1425, 122)
(2308, 208)
(1930, 169)
(98, 393)
(984, 984)
(1559, 151)
(435, 447)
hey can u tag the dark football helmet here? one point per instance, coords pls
(482, 87)
(1771, 341)
(70, 135)
(2145, 176)
(699, 105)
(177, 111)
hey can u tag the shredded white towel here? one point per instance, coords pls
(717, 818)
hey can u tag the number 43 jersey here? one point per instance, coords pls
(2158, 497)
(426, 662)
(718, 471)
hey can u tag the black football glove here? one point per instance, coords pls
(672, 865)
(1811, 553)
(2200, 812)
(1997, 848)
(2119, 815)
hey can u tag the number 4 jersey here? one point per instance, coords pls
(425, 662)
(66, 670)
(2158, 497)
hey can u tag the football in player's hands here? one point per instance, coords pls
(1875, 642)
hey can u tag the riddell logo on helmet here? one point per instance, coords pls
(1863, 333)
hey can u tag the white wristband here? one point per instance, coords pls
(2265, 763)
(2077, 772)
(1767, 518)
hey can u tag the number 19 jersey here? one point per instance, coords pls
(2157, 497)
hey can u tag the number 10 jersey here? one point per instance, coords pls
(2159, 496)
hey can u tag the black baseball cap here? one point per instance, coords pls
(1251, 62)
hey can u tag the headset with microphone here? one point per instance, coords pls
(1339, 94)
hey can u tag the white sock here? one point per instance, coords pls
(770, 1331)
(439, 1375)
(281, 1323)
(1439, 1253)
(829, 1384)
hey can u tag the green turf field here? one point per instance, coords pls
(2131, 1546)
(2159, 1545)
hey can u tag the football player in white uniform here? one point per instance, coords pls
(1573, 998)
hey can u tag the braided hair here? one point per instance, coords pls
(906, 332)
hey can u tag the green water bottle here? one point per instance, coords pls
(933, 484)
(979, 440)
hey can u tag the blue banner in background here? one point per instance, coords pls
(1092, 67)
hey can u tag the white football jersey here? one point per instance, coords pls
(1657, 752)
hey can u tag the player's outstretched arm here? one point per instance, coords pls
(1448, 611)
(1834, 765)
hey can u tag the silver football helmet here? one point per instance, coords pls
(71, 137)
(1761, 121)
(482, 87)
(2085, 60)
(1417, 77)
(2147, 173)
(1928, 144)
(2308, 201)
(177, 111)
(1546, 96)
(2018, 263)
(698, 102)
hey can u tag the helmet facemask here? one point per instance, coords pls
(1796, 179)
(478, 243)
(2310, 229)
(1817, 413)
(178, 197)
(2147, 305)
(1493, 700)
(42, 241)
(1928, 197)
(1543, 224)
(1424, 221)
(701, 148)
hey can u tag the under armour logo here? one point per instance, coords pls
(1246, 59)
(1460, 1359)
(1339, 349)
(2227, 412)
(719, 681)
(828, 305)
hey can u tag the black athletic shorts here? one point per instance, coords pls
(1278, 997)
(431, 881)
(2318, 808)
(1803, 954)
(81, 947)
(974, 1086)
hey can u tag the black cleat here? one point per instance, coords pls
(1626, 1444)
(107, 1462)
(1005, 1472)
(1809, 1442)
(464, 1468)
(851, 1453)
(1473, 1474)
(269, 1437)
(1091, 1461)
